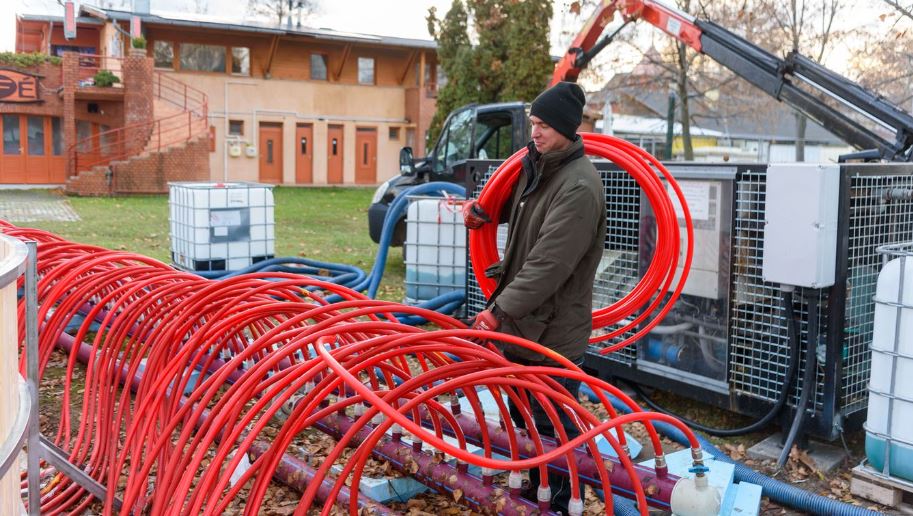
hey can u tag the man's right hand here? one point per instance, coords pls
(474, 216)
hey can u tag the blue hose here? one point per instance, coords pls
(342, 274)
(394, 212)
(354, 278)
(780, 492)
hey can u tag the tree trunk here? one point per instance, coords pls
(683, 101)
(801, 125)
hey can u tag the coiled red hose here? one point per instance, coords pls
(649, 295)
(258, 345)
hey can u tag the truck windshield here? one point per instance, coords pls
(455, 141)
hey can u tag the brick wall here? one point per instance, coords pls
(151, 173)
(90, 183)
(138, 101)
(49, 84)
(147, 173)
(70, 74)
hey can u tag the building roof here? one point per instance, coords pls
(84, 20)
(641, 125)
(257, 27)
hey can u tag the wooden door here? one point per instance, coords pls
(12, 153)
(57, 163)
(87, 146)
(270, 152)
(35, 144)
(334, 154)
(304, 157)
(366, 156)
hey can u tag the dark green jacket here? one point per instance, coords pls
(555, 241)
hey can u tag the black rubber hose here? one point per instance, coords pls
(792, 335)
(808, 378)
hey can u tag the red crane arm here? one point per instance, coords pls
(586, 44)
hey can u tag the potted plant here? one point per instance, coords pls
(105, 79)
(139, 42)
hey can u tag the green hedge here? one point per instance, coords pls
(26, 60)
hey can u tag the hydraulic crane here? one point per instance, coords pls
(779, 77)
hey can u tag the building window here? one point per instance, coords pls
(318, 67)
(58, 50)
(56, 136)
(107, 139)
(394, 133)
(163, 54)
(365, 70)
(83, 136)
(236, 127)
(240, 60)
(36, 135)
(11, 141)
(202, 58)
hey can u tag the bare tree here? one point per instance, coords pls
(900, 8)
(883, 61)
(281, 11)
(808, 27)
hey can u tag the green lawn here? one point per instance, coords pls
(328, 224)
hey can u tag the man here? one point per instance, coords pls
(557, 224)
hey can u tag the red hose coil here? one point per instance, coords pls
(648, 295)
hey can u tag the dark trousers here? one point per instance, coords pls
(559, 484)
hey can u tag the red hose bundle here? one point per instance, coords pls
(186, 376)
(648, 296)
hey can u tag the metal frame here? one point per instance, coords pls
(26, 430)
(837, 403)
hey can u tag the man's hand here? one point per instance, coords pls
(486, 320)
(474, 216)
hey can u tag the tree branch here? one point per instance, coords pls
(901, 9)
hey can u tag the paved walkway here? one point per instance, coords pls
(35, 205)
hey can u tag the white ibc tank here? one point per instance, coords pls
(221, 226)
(889, 428)
(435, 248)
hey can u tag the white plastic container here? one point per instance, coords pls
(221, 226)
(889, 428)
(435, 248)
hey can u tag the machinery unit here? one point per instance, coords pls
(725, 341)
(221, 226)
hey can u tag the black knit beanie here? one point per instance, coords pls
(561, 107)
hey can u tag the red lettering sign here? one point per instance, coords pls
(18, 87)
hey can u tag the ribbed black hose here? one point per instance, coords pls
(792, 336)
(808, 379)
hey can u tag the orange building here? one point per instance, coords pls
(283, 105)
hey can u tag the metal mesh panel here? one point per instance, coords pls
(475, 299)
(618, 270)
(759, 348)
(880, 213)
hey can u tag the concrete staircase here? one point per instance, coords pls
(176, 149)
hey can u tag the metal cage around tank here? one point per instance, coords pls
(875, 209)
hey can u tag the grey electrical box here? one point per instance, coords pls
(800, 233)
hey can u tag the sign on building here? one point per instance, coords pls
(19, 87)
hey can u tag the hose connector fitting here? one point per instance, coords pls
(544, 497)
(575, 507)
(515, 482)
